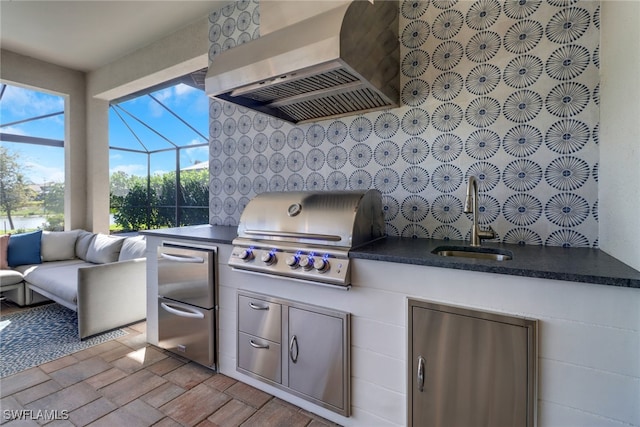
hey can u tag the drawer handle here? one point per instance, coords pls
(420, 376)
(258, 307)
(256, 345)
(182, 258)
(292, 344)
(182, 311)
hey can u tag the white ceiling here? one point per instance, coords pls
(85, 35)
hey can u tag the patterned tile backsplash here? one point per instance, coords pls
(507, 91)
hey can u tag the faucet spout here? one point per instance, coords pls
(471, 206)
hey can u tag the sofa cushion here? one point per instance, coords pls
(57, 278)
(132, 248)
(9, 277)
(58, 245)
(4, 244)
(104, 249)
(83, 241)
(24, 248)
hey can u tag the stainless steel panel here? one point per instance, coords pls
(260, 357)
(470, 368)
(260, 318)
(187, 330)
(187, 275)
(284, 73)
(341, 219)
(338, 272)
(316, 356)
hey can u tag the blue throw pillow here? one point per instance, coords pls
(24, 249)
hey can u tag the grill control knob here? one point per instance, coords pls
(293, 261)
(246, 255)
(306, 263)
(321, 265)
(269, 258)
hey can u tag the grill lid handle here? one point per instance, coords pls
(295, 235)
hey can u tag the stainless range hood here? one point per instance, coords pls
(335, 63)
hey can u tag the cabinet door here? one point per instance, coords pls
(467, 371)
(317, 356)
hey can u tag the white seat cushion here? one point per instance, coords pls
(9, 277)
(59, 278)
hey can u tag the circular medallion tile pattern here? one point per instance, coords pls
(506, 91)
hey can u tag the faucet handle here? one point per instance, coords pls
(489, 233)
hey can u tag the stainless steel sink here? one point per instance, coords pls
(474, 252)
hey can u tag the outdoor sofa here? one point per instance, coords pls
(101, 277)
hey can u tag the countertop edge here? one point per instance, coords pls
(484, 268)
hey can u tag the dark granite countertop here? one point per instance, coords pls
(546, 262)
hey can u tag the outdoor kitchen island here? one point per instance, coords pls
(587, 305)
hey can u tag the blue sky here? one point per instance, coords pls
(45, 164)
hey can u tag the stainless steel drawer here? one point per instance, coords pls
(187, 275)
(260, 318)
(260, 356)
(186, 330)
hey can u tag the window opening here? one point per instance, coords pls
(32, 179)
(167, 182)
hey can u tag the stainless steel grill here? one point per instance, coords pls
(306, 235)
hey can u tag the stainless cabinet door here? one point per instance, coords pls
(317, 356)
(467, 371)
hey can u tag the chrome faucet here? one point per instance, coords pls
(471, 206)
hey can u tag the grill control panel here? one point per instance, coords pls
(318, 266)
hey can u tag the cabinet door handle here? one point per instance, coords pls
(293, 345)
(258, 307)
(420, 376)
(256, 345)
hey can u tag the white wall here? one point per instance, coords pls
(25, 71)
(619, 188)
(180, 53)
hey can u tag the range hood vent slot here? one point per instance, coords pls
(341, 62)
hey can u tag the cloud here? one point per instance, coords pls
(131, 169)
(182, 89)
(41, 174)
(14, 131)
(25, 102)
(197, 153)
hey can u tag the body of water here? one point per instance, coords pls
(28, 222)
(21, 222)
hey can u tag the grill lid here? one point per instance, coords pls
(341, 219)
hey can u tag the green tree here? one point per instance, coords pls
(53, 198)
(135, 212)
(195, 195)
(134, 209)
(14, 191)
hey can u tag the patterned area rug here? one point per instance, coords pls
(42, 334)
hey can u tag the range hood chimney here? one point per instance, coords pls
(342, 60)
